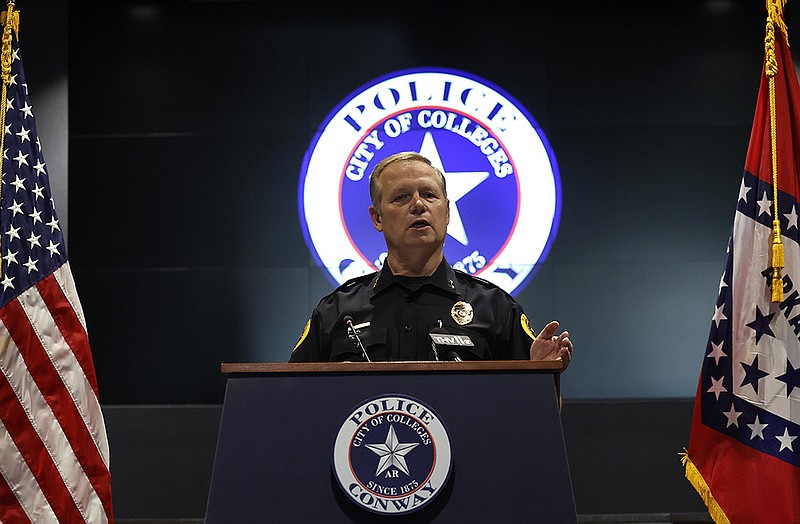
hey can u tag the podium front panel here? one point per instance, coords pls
(274, 453)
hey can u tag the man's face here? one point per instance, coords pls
(414, 212)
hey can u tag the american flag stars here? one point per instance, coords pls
(32, 238)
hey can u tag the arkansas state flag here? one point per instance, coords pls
(744, 452)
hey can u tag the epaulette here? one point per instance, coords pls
(351, 283)
(482, 281)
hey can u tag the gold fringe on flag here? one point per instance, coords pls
(9, 20)
(774, 17)
(699, 483)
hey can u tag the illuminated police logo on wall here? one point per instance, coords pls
(502, 179)
(392, 455)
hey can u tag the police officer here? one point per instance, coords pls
(397, 313)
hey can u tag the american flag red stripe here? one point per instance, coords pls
(62, 428)
(50, 381)
(13, 510)
(32, 451)
(22, 482)
(69, 325)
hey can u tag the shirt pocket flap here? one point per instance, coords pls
(345, 347)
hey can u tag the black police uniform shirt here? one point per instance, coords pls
(393, 316)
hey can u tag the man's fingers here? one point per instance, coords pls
(548, 346)
(549, 330)
(544, 349)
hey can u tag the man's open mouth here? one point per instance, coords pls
(419, 224)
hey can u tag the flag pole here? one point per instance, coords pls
(10, 20)
(774, 17)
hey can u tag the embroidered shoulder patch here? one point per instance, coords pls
(304, 334)
(526, 326)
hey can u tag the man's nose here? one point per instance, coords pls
(417, 205)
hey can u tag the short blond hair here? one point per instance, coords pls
(375, 178)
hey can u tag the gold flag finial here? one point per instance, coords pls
(10, 20)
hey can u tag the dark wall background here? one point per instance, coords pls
(44, 39)
(189, 121)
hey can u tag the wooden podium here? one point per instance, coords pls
(279, 423)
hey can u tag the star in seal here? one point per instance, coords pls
(392, 453)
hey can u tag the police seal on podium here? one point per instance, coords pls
(392, 455)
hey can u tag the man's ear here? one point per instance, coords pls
(377, 221)
(448, 212)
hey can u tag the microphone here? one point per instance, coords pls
(444, 341)
(452, 355)
(353, 334)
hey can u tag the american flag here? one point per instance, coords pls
(744, 450)
(54, 456)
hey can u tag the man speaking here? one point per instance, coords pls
(417, 307)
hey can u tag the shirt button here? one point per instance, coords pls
(407, 329)
(409, 299)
